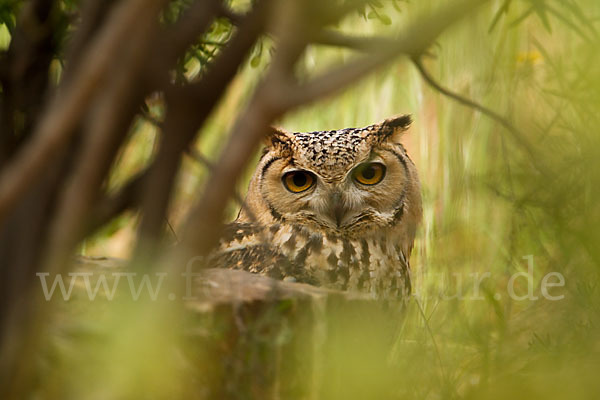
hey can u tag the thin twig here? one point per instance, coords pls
(202, 228)
(517, 135)
(172, 230)
(176, 39)
(110, 207)
(196, 155)
(433, 341)
(93, 14)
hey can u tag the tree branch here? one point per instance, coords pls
(24, 76)
(413, 42)
(370, 44)
(188, 107)
(112, 206)
(199, 157)
(374, 45)
(106, 128)
(176, 39)
(93, 15)
(63, 114)
(129, 194)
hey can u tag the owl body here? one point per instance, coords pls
(375, 265)
(333, 208)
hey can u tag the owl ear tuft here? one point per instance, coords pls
(276, 137)
(395, 127)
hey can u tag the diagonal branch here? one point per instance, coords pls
(176, 39)
(113, 205)
(24, 74)
(62, 115)
(106, 128)
(370, 44)
(414, 41)
(128, 196)
(188, 107)
(93, 15)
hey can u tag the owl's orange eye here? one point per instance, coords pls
(298, 181)
(369, 173)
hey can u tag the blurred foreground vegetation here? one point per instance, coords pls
(491, 208)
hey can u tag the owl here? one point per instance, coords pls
(334, 208)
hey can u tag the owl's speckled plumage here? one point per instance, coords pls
(339, 232)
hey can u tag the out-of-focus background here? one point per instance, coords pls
(496, 216)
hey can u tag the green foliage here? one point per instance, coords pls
(8, 10)
(174, 10)
(4, 38)
(201, 54)
(375, 9)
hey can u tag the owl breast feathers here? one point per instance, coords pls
(333, 208)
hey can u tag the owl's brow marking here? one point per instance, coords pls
(267, 165)
(399, 207)
(274, 213)
(264, 152)
(400, 158)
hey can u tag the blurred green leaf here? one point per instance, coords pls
(539, 7)
(396, 5)
(501, 11)
(385, 19)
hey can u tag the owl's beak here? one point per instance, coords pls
(337, 210)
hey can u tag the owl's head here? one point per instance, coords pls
(349, 182)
